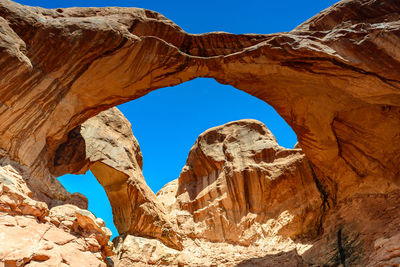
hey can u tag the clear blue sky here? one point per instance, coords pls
(167, 122)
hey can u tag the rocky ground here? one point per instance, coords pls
(34, 235)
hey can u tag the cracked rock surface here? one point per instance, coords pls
(335, 79)
(243, 200)
(34, 235)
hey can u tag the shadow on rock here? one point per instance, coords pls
(283, 259)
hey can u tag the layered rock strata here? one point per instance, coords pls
(105, 144)
(335, 79)
(216, 204)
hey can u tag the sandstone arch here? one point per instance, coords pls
(334, 79)
(64, 67)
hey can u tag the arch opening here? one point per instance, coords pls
(98, 202)
(167, 122)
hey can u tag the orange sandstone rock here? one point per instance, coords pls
(105, 145)
(335, 79)
(33, 235)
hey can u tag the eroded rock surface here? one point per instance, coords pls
(34, 235)
(335, 79)
(229, 170)
(216, 204)
(64, 66)
(105, 144)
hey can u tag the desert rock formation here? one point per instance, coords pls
(335, 79)
(229, 169)
(105, 144)
(216, 204)
(33, 234)
(320, 77)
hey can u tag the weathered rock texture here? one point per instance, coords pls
(335, 79)
(105, 144)
(239, 196)
(242, 200)
(229, 170)
(34, 235)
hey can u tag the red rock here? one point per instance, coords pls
(334, 79)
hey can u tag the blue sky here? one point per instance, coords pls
(167, 122)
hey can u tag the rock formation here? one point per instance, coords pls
(216, 205)
(105, 144)
(335, 79)
(229, 170)
(216, 201)
(319, 77)
(32, 234)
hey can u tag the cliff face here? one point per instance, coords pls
(240, 195)
(229, 170)
(335, 79)
(242, 200)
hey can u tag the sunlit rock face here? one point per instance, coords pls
(105, 144)
(335, 79)
(34, 235)
(243, 200)
(229, 170)
(239, 195)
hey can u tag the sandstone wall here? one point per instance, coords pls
(334, 79)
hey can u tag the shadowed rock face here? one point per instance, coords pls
(335, 79)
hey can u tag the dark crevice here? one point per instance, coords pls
(340, 155)
(246, 177)
(324, 196)
(342, 254)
